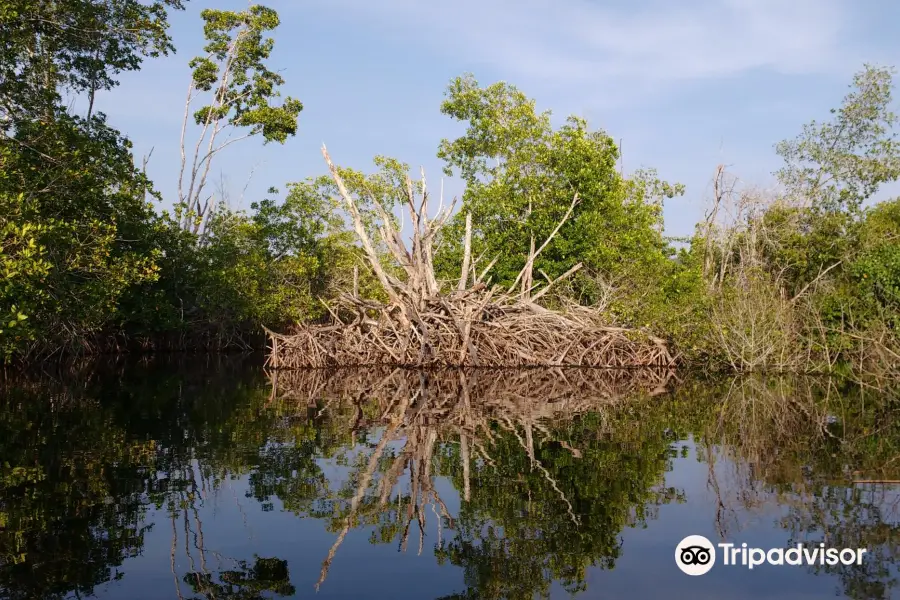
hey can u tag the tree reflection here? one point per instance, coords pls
(827, 455)
(71, 494)
(545, 493)
(244, 582)
(82, 462)
(526, 478)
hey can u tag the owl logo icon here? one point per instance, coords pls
(695, 555)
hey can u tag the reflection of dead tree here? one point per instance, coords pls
(363, 486)
(762, 420)
(425, 409)
(471, 324)
(405, 419)
(722, 511)
(186, 500)
(463, 396)
(174, 547)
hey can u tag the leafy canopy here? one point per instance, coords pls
(235, 70)
(521, 175)
(840, 164)
(79, 45)
(73, 208)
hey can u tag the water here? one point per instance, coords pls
(208, 480)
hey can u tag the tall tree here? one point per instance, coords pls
(239, 89)
(839, 164)
(78, 45)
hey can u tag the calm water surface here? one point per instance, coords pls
(212, 480)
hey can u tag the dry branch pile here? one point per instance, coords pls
(474, 324)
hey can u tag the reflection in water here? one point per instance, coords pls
(214, 481)
(521, 447)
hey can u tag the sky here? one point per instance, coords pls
(684, 86)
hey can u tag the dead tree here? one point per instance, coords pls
(470, 324)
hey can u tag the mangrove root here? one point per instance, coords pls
(467, 323)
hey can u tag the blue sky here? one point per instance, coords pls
(685, 85)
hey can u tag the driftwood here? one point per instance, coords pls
(464, 323)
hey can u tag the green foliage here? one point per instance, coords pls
(88, 263)
(23, 267)
(72, 185)
(832, 261)
(840, 164)
(80, 45)
(521, 176)
(74, 212)
(827, 239)
(265, 269)
(875, 271)
(674, 303)
(271, 267)
(235, 71)
(801, 243)
(84, 253)
(239, 90)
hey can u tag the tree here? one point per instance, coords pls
(23, 266)
(831, 171)
(875, 270)
(840, 164)
(521, 175)
(70, 180)
(240, 89)
(269, 267)
(80, 45)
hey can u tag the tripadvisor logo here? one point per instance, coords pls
(696, 555)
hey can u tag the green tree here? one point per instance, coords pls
(521, 176)
(70, 180)
(831, 171)
(80, 45)
(239, 89)
(23, 266)
(270, 267)
(875, 271)
(840, 164)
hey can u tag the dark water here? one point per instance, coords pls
(208, 480)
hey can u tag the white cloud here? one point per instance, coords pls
(646, 44)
